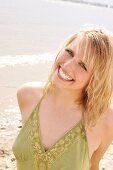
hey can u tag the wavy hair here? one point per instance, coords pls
(98, 54)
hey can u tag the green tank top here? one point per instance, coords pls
(70, 152)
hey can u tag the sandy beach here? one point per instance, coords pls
(10, 118)
(36, 29)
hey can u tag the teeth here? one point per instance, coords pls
(63, 75)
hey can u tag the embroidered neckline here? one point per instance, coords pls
(59, 147)
(67, 133)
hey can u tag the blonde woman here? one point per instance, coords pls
(68, 123)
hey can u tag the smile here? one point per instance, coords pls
(63, 75)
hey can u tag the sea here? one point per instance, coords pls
(30, 31)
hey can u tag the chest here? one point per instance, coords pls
(54, 126)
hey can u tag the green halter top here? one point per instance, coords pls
(70, 152)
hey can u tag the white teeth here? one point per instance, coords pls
(63, 75)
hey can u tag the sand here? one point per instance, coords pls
(10, 117)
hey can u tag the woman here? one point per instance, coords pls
(68, 123)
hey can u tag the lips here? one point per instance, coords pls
(63, 75)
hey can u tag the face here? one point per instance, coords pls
(71, 71)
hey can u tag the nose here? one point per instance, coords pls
(69, 67)
(71, 63)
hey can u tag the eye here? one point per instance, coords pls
(70, 52)
(83, 66)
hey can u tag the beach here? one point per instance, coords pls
(31, 34)
(10, 117)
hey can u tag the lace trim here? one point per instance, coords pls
(44, 160)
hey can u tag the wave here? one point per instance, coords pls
(99, 3)
(10, 60)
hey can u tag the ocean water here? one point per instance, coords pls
(31, 31)
(10, 60)
(108, 3)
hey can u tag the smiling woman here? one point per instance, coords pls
(68, 122)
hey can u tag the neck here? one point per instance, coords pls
(66, 99)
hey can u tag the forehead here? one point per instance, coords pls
(80, 47)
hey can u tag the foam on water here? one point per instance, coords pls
(26, 59)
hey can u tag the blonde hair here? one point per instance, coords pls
(98, 53)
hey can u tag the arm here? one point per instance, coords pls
(98, 154)
(107, 138)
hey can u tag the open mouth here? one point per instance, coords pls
(62, 75)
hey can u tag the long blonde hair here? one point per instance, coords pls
(98, 53)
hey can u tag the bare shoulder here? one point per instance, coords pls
(106, 126)
(28, 96)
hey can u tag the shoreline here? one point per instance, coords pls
(41, 26)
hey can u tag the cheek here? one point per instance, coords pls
(82, 76)
(85, 80)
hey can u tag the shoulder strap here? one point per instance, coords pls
(37, 106)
